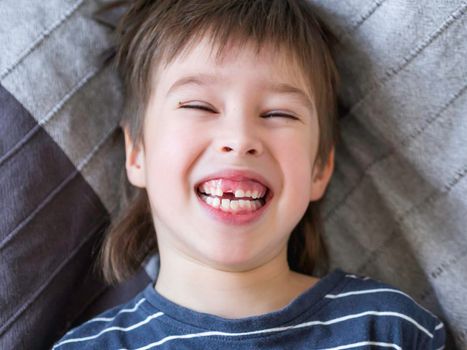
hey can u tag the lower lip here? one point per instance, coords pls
(234, 219)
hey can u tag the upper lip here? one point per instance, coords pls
(236, 175)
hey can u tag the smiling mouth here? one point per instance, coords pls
(234, 198)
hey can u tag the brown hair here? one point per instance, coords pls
(155, 32)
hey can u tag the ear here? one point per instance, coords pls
(135, 161)
(321, 177)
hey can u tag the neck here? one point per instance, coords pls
(228, 294)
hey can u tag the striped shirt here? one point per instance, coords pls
(341, 311)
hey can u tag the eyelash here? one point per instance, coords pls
(207, 109)
(204, 108)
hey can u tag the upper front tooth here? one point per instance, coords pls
(219, 192)
(255, 194)
(239, 194)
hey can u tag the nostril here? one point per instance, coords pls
(252, 150)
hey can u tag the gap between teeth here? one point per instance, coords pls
(232, 205)
(238, 193)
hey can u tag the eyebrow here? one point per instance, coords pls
(199, 79)
(208, 79)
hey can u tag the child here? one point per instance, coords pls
(230, 127)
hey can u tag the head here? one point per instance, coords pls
(229, 88)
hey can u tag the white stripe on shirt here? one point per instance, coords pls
(363, 343)
(281, 329)
(129, 328)
(357, 277)
(108, 319)
(133, 309)
(378, 290)
(368, 291)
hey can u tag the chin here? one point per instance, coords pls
(232, 260)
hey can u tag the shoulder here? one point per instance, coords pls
(112, 328)
(387, 309)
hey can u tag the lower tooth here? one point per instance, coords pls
(225, 204)
(232, 205)
(216, 202)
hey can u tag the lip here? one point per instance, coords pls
(235, 175)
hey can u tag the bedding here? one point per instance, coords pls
(395, 208)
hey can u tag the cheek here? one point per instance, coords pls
(171, 153)
(296, 157)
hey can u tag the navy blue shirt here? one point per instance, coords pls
(341, 311)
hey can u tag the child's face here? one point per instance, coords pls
(228, 137)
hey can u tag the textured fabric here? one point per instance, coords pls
(395, 208)
(58, 150)
(396, 205)
(341, 311)
(46, 239)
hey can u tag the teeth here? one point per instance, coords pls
(225, 204)
(242, 203)
(216, 202)
(232, 206)
(239, 194)
(206, 190)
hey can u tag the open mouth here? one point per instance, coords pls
(235, 197)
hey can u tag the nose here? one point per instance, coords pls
(240, 140)
(240, 149)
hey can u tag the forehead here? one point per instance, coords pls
(267, 64)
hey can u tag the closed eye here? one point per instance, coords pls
(203, 108)
(269, 115)
(280, 115)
